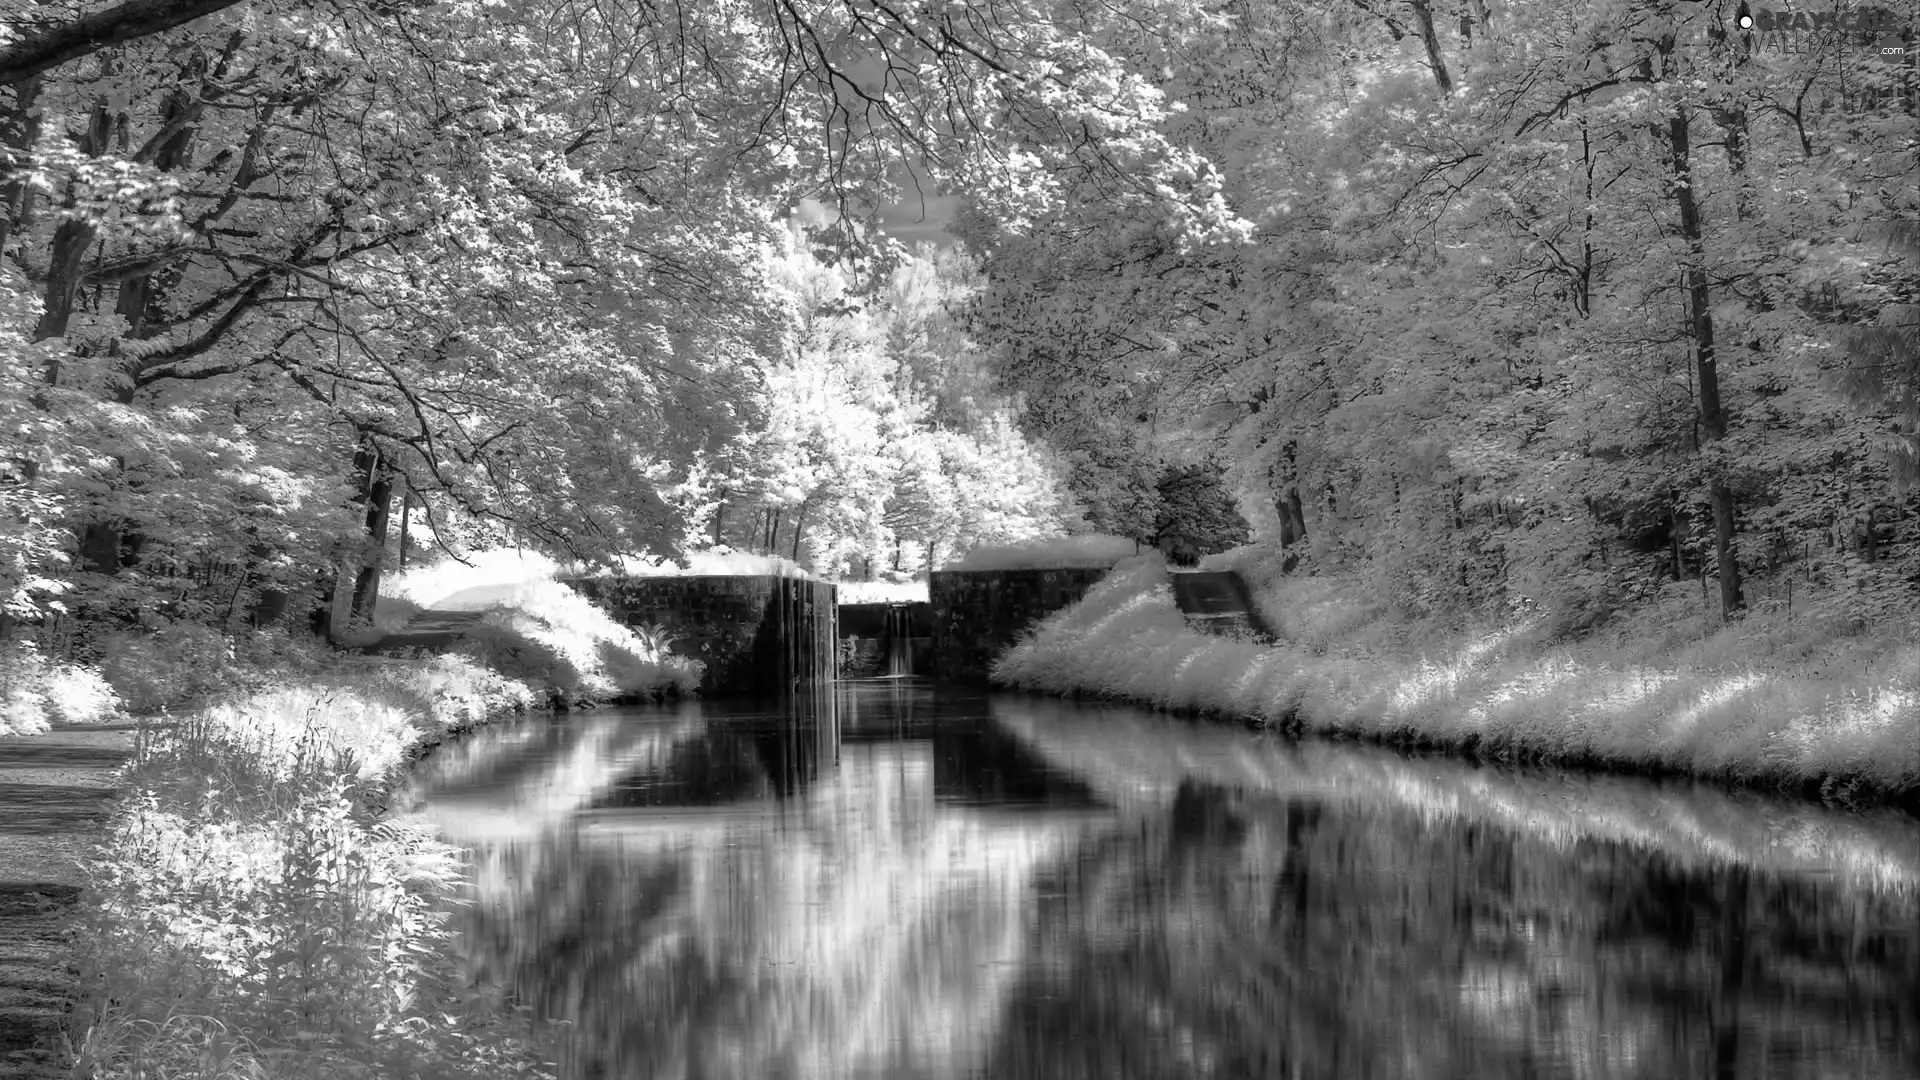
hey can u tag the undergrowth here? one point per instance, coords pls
(253, 912)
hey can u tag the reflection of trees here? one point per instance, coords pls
(569, 767)
(1761, 967)
(1126, 754)
(714, 767)
(860, 932)
(878, 921)
(493, 756)
(1258, 937)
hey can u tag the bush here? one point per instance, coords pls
(181, 664)
(36, 692)
(312, 943)
(251, 914)
(162, 668)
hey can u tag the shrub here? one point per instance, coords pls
(250, 913)
(165, 667)
(36, 692)
(317, 938)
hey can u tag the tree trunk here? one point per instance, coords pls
(139, 295)
(1293, 523)
(377, 493)
(1673, 534)
(70, 243)
(799, 530)
(719, 516)
(1713, 416)
(19, 130)
(1731, 115)
(406, 512)
(1423, 19)
(100, 548)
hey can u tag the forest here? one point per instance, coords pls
(1588, 309)
(1552, 370)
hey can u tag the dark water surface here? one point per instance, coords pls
(899, 881)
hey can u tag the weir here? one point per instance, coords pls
(886, 640)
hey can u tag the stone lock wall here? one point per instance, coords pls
(978, 614)
(756, 635)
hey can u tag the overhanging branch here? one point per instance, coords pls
(91, 33)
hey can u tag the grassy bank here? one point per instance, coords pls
(1753, 704)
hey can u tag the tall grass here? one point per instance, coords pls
(1497, 688)
(252, 913)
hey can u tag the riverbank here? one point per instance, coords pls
(1502, 692)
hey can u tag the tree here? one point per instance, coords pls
(444, 238)
(1197, 515)
(1500, 338)
(1882, 374)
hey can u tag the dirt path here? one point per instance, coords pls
(55, 792)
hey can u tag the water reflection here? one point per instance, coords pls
(894, 883)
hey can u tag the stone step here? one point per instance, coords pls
(1217, 602)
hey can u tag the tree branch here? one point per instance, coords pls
(91, 33)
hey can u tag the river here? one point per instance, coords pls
(905, 881)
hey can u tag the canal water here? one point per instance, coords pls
(901, 881)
